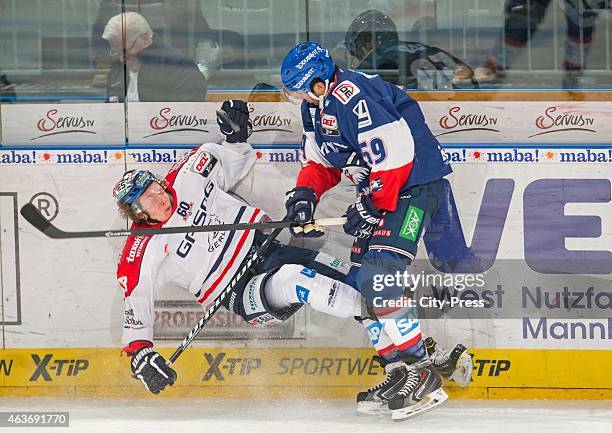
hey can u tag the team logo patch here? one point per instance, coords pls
(204, 164)
(302, 294)
(329, 122)
(406, 326)
(310, 273)
(412, 223)
(345, 91)
(374, 332)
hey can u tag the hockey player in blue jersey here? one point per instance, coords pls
(377, 135)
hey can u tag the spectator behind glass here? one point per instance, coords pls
(372, 43)
(153, 72)
(522, 20)
(174, 22)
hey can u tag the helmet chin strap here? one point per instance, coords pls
(321, 98)
(150, 220)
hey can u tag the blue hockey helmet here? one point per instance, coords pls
(305, 62)
(131, 186)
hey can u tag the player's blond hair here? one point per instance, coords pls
(126, 211)
(126, 26)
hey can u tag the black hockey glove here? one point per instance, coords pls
(234, 122)
(362, 218)
(300, 203)
(150, 367)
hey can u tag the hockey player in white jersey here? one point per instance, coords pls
(195, 192)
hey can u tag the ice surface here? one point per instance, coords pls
(296, 416)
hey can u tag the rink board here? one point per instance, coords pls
(156, 123)
(524, 157)
(331, 372)
(63, 293)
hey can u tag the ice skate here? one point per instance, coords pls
(453, 364)
(421, 392)
(374, 400)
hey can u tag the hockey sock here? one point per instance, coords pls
(406, 336)
(380, 340)
(415, 351)
(391, 356)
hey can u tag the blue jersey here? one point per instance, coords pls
(369, 124)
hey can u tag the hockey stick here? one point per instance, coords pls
(222, 114)
(217, 303)
(34, 217)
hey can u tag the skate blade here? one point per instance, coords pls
(373, 408)
(463, 373)
(434, 399)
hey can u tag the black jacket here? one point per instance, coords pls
(398, 62)
(165, 76)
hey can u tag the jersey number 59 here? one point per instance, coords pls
(373, 151)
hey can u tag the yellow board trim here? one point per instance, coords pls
(302, 372)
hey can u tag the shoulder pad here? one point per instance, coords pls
(178, 165)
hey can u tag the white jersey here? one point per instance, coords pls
(203, 263)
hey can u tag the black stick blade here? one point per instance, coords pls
(33, 216)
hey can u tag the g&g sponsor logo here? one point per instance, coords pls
(555, 120)
(167, 122)
(215, 239)
(456, 121)
(54, 123)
